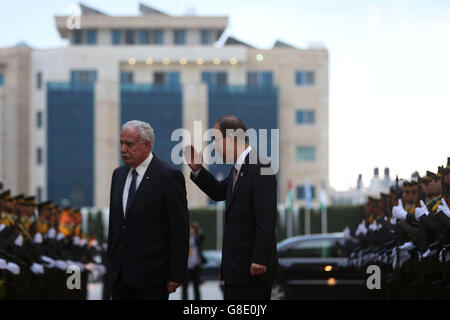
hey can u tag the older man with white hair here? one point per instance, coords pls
(148, 240)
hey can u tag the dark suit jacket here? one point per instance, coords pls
(250, 221)
(150, 244)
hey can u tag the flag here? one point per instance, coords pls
(289, 197)
(308, 194)
(323, 197)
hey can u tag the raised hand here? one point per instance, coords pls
(193, 158)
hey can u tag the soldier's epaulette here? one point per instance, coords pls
(432, 203)
(435, 207)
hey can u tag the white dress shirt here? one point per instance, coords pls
(140, 169)
(240, 160)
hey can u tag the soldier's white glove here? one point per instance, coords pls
(3, 264)
(19, 241)
(60, 236)
(13, 268)
(38, 238)
(420, 211)
(2, 226)
(50, 263)
(444, 208)
(398, 212)
(51, 234)
(61, 265)
(37, 268)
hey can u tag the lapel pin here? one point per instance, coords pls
(147, 178)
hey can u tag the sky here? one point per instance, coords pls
(389, 67)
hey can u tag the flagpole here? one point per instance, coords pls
(308, 220)
(324, 219)
(323, 205)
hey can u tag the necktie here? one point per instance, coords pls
(235, 174)
(132, 190)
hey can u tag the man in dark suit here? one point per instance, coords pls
(249, 253)
(148, 240)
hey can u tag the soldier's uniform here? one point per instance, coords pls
(412, 245)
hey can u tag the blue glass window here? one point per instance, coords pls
(91, 36)
(167, 78)
(116, 36)
(39, 156)
(180, 36)
(305, 116)
(304, 78)
(83, 76)
(259, 79)
(159, 36)
(143, 37)
(126, 77)
(305, 154)
(39, 119)
(215, 78)
(39, 80)
(39, 194)
(2, 79)
(206, 36)
(77, 36)
(130, 37)
(70, 139)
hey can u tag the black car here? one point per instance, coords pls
(314, 267)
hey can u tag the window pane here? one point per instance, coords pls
(252, 79)
(180, 36)
(159, 36)
(159, 78)
(91, 36)
(39, 80)
(173, 77)
(84, 76)
(39, 194)
(39, 155)
(39, 119)
(126, 77)
(76, 36)
(306, 154)
(129, 37)
(267, 79)
(143, 37)
(221, 78)
(206, 36)
(300, 117)
(116, 35)
(299, 78)
(311, 117)
(309, 77)
(2, 79)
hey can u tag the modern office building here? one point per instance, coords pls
(62, 108)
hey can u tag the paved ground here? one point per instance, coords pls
(209, 290)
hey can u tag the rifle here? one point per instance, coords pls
(421, 194)
(398, 194)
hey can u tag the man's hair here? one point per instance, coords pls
(230, 121)
(145, 131)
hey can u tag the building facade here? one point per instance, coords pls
(167, 70)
